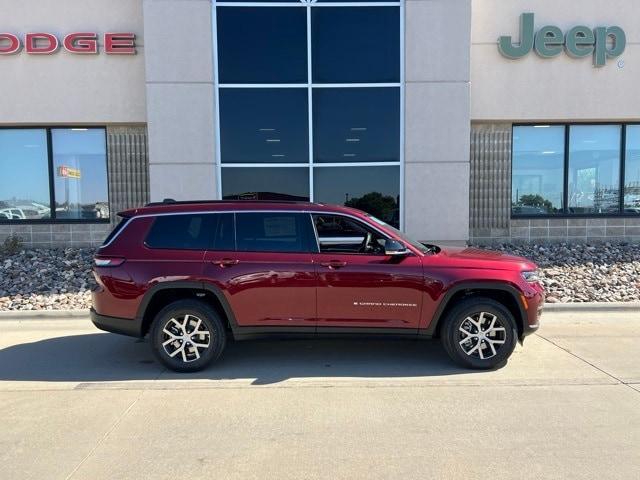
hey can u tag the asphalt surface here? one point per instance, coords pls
(76, 403)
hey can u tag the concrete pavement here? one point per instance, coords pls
(76, 403)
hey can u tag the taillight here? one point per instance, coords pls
(108, 261)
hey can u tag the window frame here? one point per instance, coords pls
(565, 214)
(309, 86)
(51, 173)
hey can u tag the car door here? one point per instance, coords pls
(360, 286)
(269, 277)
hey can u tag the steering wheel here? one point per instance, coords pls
(365, 246)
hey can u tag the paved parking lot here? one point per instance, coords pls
(76, 403)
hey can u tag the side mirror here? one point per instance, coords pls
(395, 248)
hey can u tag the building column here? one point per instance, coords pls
(180, 99)
(437, 119)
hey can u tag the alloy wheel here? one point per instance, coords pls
(482, 335)
(185, 336)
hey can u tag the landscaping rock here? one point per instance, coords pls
(576, 273)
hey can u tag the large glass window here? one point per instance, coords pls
(575, 170)
(24, 177)
(71, 160)
(264, 125)
(356, 125)
(373, 189)
(356, 44)
(262, 45)
(80, 171)
(538, 165)
(262, 183)
(303, 88)
(594, 168)
(632, 170)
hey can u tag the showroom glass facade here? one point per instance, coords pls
(575, 170)
(53, 175)
(309, 102)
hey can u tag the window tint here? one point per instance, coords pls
(337, 233)
(24, 175)
(80, 170)
(632, 171)
(375, 190)
(356, 125)
(262, 45)
(355, 44)
(265, 183)
(222, 232)
(538, 170)
(594, 168)
(264, 125)
(191, 232)
(273, 232)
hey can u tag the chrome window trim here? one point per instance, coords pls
(235, 212)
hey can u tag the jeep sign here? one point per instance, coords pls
(580, 41)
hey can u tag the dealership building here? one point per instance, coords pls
(457, 120)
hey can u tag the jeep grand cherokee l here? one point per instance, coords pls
(192, 274)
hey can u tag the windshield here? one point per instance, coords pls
(414, 243)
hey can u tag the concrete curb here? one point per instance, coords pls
(592, 307)
(21, 315)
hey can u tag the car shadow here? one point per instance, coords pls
(103, 357)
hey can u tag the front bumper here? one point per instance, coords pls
(534, 312)
(122, 326)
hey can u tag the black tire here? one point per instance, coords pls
(188, 357)
(452, 336)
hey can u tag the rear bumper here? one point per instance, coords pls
(122, 326)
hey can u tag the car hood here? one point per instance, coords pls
(469, 257)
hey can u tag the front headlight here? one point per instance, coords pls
(531, 276)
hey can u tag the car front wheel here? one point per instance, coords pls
(479, 333)
(187, 335)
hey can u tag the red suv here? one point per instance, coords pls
(191, 274)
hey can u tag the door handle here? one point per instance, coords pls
(226, 262)
(334, 264)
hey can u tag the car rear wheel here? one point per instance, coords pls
(479, 333)
(187, 335)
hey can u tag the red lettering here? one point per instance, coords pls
(32, 40)
(12, 47)
(119, 43)
(41, 43)
(85, 43)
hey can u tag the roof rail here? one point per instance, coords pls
(171, 201)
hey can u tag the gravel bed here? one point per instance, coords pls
(61, 279)
(46, 279)
(576, 273)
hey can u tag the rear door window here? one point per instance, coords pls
(273, 232)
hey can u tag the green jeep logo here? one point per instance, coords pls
(579, 42)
